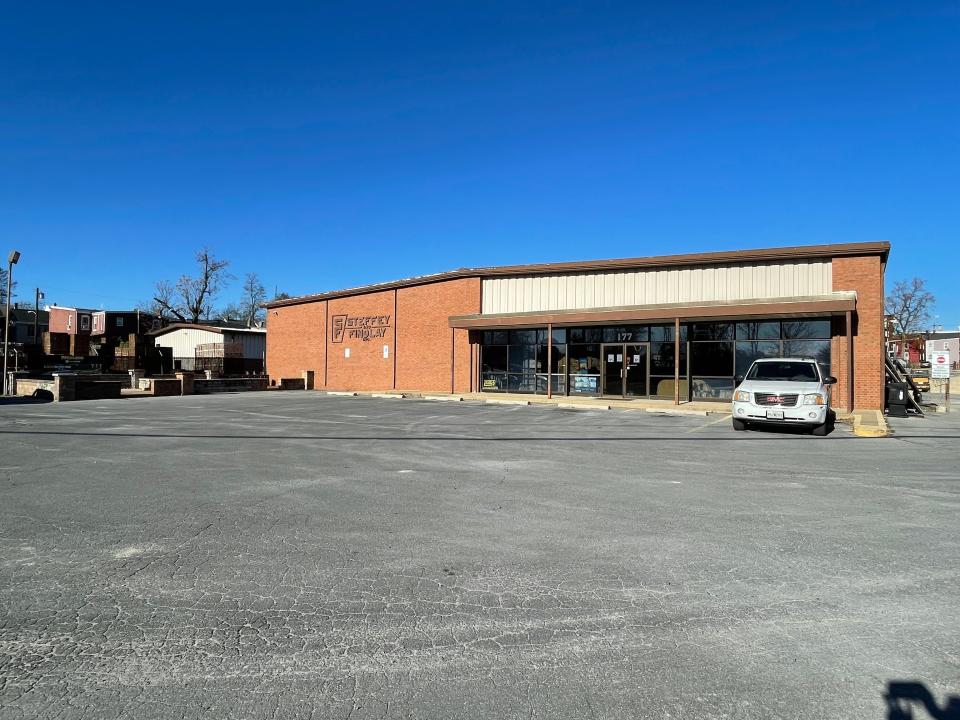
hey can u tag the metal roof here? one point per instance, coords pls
(802, 252)
(201, 326)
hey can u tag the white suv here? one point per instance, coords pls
(783, 391)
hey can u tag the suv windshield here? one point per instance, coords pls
(784, 372)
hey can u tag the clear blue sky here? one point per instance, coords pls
(325, 145)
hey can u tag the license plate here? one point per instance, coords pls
(775, 414)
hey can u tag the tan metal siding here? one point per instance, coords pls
(582, 291)
(185, 340)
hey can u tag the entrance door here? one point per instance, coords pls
(625, 370)
(635, 371)
(613, 369)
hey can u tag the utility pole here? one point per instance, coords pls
(12, 260)
(36, 318)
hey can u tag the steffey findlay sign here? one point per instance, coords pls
(360, 327)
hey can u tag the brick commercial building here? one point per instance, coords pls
(677, 327)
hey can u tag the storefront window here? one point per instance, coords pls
(559, 384)
(747, 352)
(758, 331)
(522, 337)
(523, 358)
(520, 365)
(492, 381)
(494, 337)
(712, 388)
(585, 335)
(661, 358)
(662, 387)
(662, 381)
(516, 360)
(584, 363)
(711, 358)
(521, 383)
(558, 359)
(664, 333)
(711, 331)
(584, 359)
(819, 350)
(495, 358)
(806, 329)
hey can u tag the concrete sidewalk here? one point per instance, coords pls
(650, 405)
(865, 423)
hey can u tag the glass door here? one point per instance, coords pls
(613, 369)
(635, 370)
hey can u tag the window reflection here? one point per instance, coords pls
(758, 331)
(711, 358)
(819, 350)
(584, 364)
(712, 388)
(516, 360)
(747, 352)
(711, 331)
(806, 329)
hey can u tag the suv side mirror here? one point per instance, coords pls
(738, 379)
(829, 380)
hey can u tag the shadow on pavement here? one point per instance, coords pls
(902, 697)
(417, 438)
(40, 396)
(775, 429)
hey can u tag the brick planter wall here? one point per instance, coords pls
(221, 385)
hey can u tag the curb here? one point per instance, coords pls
(680, 412)
(881, 429)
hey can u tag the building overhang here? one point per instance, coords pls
(837, 303)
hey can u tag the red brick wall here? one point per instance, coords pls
(865, 275)
(420, 343)
(295, 341)
(423, 322)
(58, 320)
(366, 368)
(838, 364)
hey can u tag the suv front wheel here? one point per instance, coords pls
(739, 425)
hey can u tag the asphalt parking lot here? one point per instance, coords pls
(291, 555)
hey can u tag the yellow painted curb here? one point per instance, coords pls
(881, 429)
(872, 432)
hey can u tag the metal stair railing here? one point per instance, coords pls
(894, 374)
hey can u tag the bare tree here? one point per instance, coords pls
(254, 295)
(230, 311)
(163, 304)
(3, 286)
(908, 305)
(191, 298)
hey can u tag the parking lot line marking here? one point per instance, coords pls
(725, 418)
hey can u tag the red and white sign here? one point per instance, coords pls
(939, 364)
